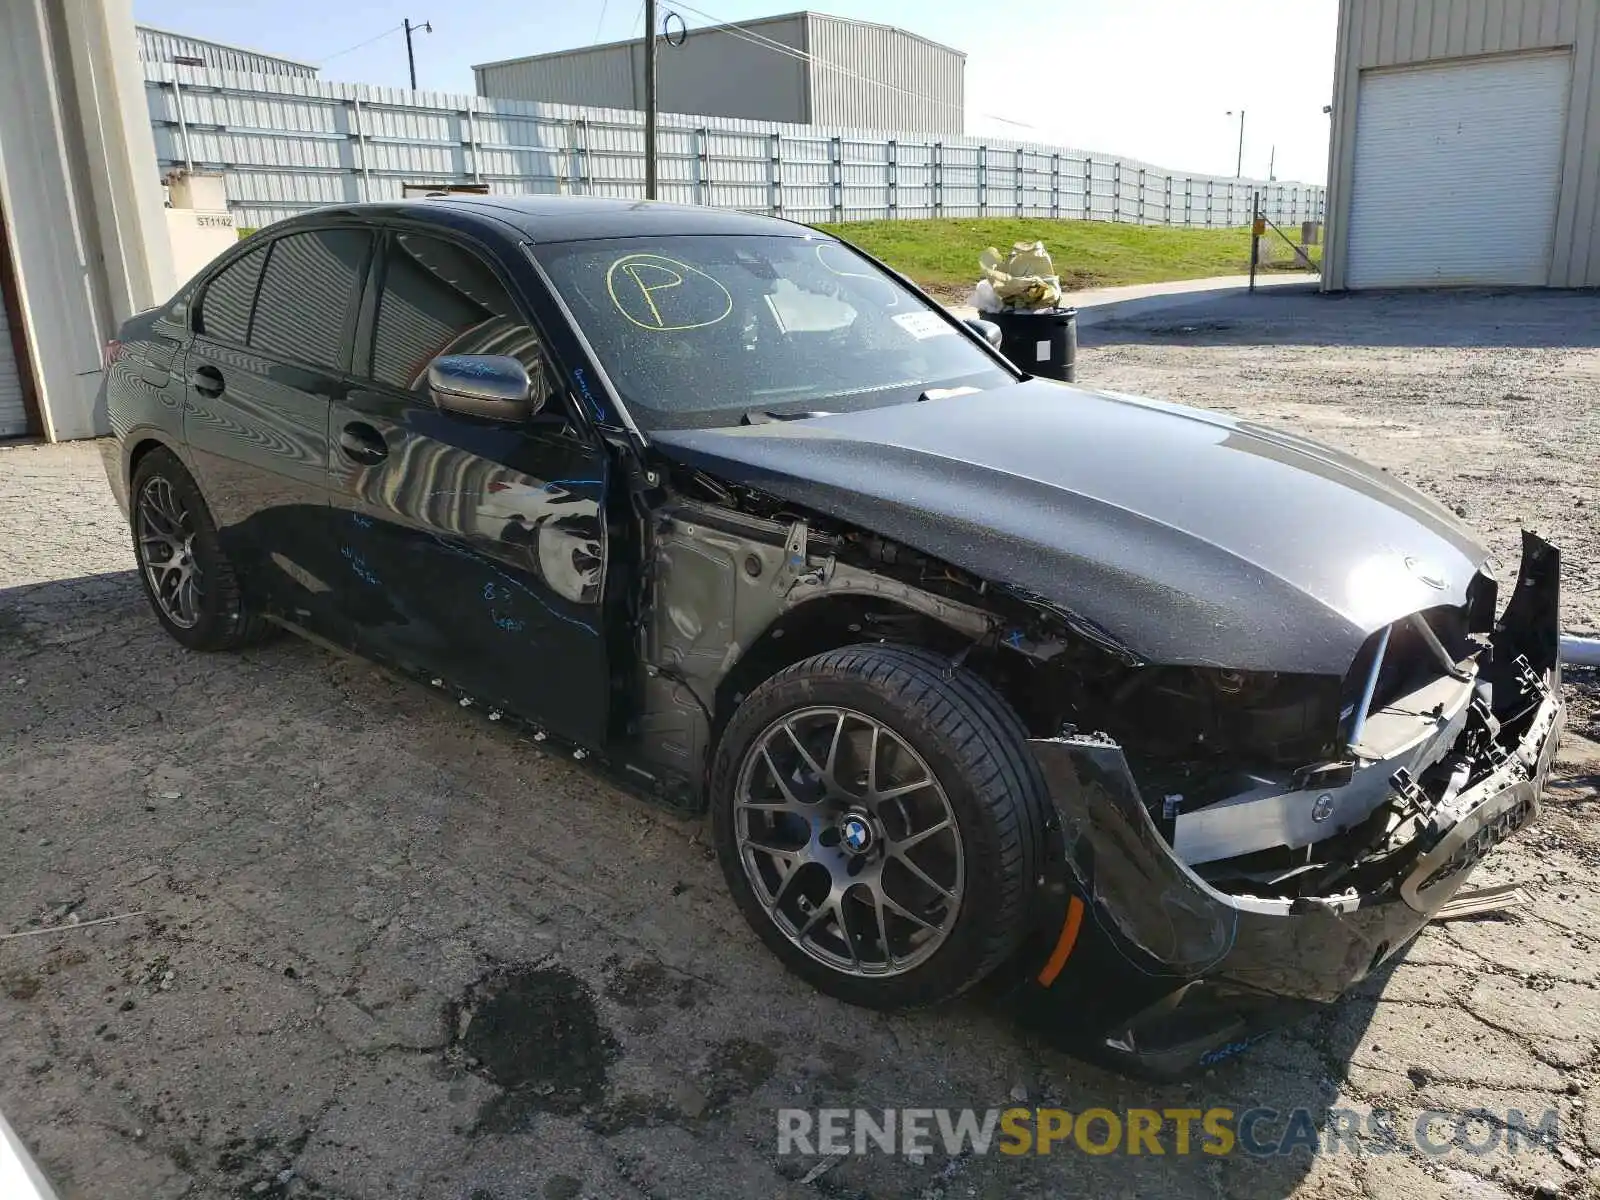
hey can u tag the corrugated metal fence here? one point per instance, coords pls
(287, 144)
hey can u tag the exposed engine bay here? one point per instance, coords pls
(1265, 784)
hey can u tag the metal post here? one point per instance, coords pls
(891, 178)
(775, 175)
(364, 179)
(183, 125)
(650, 99)
(411, 58)
(836, 174)
(1238, 168)
(702, 166)
(1255, 236)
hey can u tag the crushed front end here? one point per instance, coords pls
(1197, 907)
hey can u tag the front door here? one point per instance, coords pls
(475, 549)
(270, 352)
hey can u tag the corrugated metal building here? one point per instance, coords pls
(83, 242)
(158, 45)
(803, 68)
(1466, 135)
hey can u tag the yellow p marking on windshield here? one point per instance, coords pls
(633, 270)
(639, 302)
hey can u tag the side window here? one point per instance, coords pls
(440, 298)
(307, 295)
(225, 308)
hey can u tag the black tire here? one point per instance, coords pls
(974, 745)
(223, 617)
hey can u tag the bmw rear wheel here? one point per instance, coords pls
(188, 579)
(880, 823)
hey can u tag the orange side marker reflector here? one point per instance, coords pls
(1064, 943)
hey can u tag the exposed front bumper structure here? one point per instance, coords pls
(1169, 974)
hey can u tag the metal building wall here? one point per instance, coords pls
(80, 190)
(285, 145)
(867, 76)
(1396, 33)
(603, 75)
(157, 45)
(716, 72)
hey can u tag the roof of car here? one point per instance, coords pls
(578, 218)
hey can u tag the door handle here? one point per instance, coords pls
(207, 381)
(363, 444)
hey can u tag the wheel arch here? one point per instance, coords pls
(829, 621)
(122, 458)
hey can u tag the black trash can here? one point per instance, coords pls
(1042, 342)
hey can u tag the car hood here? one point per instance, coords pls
(1189, 537)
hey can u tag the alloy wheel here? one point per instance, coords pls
(165, 531)
(849, 841)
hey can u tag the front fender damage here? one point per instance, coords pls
(1169, 973)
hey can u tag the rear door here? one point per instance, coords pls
(476, 549)
(271, 352)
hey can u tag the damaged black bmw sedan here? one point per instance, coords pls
(1164, 725)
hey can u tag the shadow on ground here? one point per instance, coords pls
(390, 948)
(1509, 319)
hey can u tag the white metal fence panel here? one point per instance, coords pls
(287, 144)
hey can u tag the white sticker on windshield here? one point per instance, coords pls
(922, 325)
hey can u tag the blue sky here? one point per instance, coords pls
(1152, 79)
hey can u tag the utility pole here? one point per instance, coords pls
(1272, 163)
(411, 58)
(649, 99)
(1238, 169)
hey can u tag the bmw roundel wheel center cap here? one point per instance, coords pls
(856, 833)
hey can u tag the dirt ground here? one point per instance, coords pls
(387, 948)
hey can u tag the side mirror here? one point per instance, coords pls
(987, 330)
(495, 386)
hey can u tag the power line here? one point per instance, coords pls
(358, 45)
(604, 4)
(744, 34)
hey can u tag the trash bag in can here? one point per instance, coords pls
(1040, 341)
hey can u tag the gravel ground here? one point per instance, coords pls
(389, 949)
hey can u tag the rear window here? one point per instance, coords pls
(308, 294)
(225, 309)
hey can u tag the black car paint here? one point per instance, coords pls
(1191, 538)
(1198, 971)
(424, 588)
(256, 429)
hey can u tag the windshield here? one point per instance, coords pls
(708, 330)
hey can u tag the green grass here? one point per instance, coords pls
(942, 255)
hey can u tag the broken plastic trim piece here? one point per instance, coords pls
(1475, 902)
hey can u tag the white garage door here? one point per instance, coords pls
(13, 418)
(1456, 172)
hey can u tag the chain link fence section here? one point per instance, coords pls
(286, 144)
